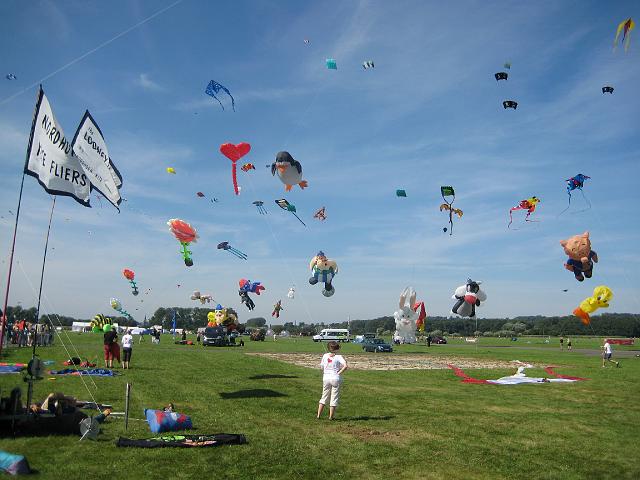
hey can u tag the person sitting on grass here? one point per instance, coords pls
(332, 366)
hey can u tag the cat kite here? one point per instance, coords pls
(214, 87)
(529, 205)
(447, 191)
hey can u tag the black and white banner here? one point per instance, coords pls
(50, 157)
(89, 146)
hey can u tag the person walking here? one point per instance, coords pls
(607, 352)
(568, 344)
(332, 367)
(127, 348)
(561, 343)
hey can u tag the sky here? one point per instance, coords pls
(429, 114)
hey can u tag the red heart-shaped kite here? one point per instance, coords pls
(235, 152)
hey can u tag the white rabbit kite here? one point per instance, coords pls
(406, 317)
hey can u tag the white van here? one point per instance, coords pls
(337, 334)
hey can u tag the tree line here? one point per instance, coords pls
(605, 324)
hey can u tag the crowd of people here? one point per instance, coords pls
(26, 334)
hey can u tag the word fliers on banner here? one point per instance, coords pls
(50, 157)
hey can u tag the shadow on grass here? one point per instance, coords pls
(252, 393)
(365, 417)
(267, 376)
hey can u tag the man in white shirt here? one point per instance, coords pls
(127, 347)
(606, 354)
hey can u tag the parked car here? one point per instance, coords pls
(258, 335)
(438, 340)
(376, 345)
(218, 337)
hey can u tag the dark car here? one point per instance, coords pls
(258, 335)
(217, 337)
(376, 345)
(438, 340)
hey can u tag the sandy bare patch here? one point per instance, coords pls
(390, 362)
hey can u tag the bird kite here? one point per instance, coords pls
(285, 205)
(235, 153)
(501, 76)
(214, 87)
(260, 206)
(447, 191)
(368, 64)
(607, 89)
(625, 27)
(331, 64)
(529, 205)
(185, 234)
(510, 104)
(130, 275)
(248, 166)
(320, 214)
(602, 295)
(576, 183)
(289, 171)
(232, 250)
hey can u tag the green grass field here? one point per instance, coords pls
(390, 424)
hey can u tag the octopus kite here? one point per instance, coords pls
(260, 206)
(130, 275)
(185, 234)
(529, 205)
(447, 191)
(232, 250)
(235, 153)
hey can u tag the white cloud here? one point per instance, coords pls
(145, 82)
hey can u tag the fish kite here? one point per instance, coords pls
(602, 295)
(607, 89)
(576, 183)
(185, 234)
(368, 64)
(235, 153)
(331, 64)
(510, 104)
(625, 27)
(447, 191)
(233, 251)
(285, 205)
(260, 206)
(248, 166)
(130, 275)
(214, 87)
(529, 205)
(320, 214)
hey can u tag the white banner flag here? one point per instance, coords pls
(89, 146)
(50, 157)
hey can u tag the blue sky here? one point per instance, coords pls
(429, 114)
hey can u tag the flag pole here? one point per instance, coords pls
(13, 248)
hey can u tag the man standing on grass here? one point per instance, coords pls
(606, 354)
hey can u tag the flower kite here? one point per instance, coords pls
(185, 234)
(130, 275)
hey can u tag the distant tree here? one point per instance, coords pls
(256, 322)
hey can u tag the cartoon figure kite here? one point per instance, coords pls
(130, 275)
(214, 87)
(291, 293)
(289, 171)
(625, 27)
(447, 191)
(186, 235)
(276, 309)
(285, 205)
(232, 250)
(576, 183)
(247, 287)
(260, 206)
(467, 298)
(196, 295)
(235, 153)
(529, 205)
(323, 271)
(320, 214)
(602, 295)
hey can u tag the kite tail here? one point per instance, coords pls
(583, 316)
(510, 218)
(569, 205)
(585, 199)
(234, 176)
(450, 222)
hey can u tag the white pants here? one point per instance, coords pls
(331, 391)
